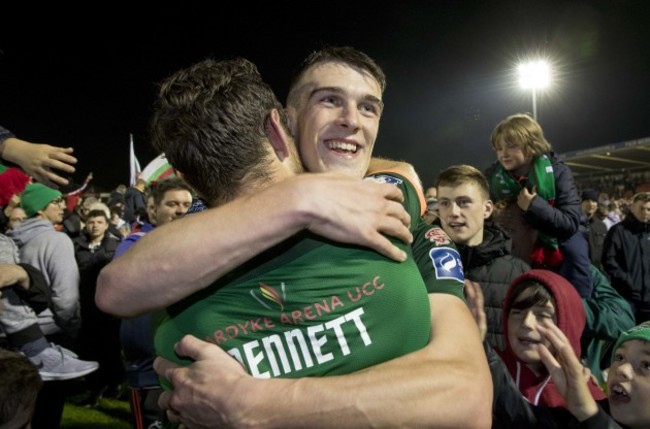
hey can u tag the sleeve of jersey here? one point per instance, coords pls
(410, 186)
(435, 254)
(438, 260)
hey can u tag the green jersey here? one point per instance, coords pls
(311, 307)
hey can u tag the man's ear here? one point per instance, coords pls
(277, 135)
(489, 208)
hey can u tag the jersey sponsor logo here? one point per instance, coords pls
(447, 264)
(269, 297)
(437, 235)
(383, 178)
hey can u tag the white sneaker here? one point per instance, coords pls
(54, 363)
(65, 351)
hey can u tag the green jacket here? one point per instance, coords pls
(608, 315)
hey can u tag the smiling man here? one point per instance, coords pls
(334, 107)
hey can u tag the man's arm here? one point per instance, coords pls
(447, 384)
(38, 160)
(192, 252)
(14, 274)
(608, 313)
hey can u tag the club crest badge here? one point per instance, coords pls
(438, 236)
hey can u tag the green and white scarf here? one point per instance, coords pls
(506, 188)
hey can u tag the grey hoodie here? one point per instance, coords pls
(52, 252)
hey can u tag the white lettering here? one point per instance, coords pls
(283, 353)
(254, 360)
(356, 316)
(318, 343)
(274, 341)
(291, 337)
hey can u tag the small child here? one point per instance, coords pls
(628, 382)
(529, 183)
(534, 298)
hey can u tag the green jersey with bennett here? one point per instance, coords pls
(311, 307)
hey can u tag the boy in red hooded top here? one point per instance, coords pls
(535, 297)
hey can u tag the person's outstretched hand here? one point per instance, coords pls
(45, 163)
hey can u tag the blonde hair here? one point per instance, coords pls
(522, 130)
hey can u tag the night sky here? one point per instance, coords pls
(87, 80)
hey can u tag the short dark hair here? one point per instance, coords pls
(20, 385)
(159, 189)
(97, 213)
(457, 175)
(209, 120)
(337, 54)
(540, 296)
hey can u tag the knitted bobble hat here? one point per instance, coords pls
(36, 197)
(640, 332)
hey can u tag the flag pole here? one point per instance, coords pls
(135, 169)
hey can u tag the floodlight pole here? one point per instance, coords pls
(534, 90)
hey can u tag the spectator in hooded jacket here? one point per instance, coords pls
(52, 252)
(534, 299)
(539, 295)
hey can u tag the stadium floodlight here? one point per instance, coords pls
(534, 75)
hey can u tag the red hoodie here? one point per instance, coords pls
(570, 314)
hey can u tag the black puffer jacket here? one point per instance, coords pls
(491, 265)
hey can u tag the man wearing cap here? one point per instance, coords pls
(52, 252)
(597, 228)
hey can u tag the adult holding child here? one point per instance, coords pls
(537, 201)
